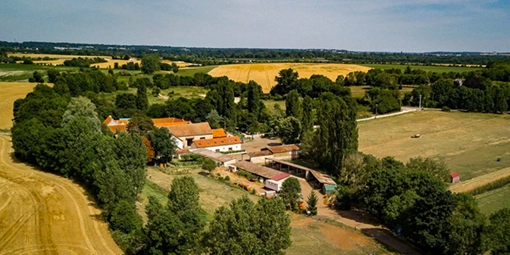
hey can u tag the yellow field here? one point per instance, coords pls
(59, 60)
(9, 92)
(264, 74)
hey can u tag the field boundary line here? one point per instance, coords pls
(480, 181)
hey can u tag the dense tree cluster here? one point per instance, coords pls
(483, 91)
(83, 62)
(63, 135)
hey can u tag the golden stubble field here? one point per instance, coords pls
(42, 213)
(469, 143)
(264, 74)
(9, 92)
(58, 59)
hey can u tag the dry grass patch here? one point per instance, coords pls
(469, 143)
(9, 92)
(312, 236)
(264, 74)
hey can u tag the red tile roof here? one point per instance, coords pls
(218, 133)
(164, 122)
(280, 177)
(216, 142)
(194, 129)
(454, 175)
(283, 148)
(259, 153)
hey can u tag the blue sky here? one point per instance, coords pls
(362, 25)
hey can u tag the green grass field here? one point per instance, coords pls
(438, 69)
(21, 72)
(190, 71)
(494, 200)
(469, 143)
(359, 91)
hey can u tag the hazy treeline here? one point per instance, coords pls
(208, 56)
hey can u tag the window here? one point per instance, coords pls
(202, 138)
(229, 148)
(189, 141)
(217, 150)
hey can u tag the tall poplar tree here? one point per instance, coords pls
(307, 118)
(337, 135)
(293, 106)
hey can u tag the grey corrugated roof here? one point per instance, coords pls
(214, 155)
(263, 171)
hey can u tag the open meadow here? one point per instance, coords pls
(469, 143)
(9, 92)
(264, 74)
(359, 91)
(494, 200)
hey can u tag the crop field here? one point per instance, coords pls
(264, 74)
(494, 200)
(41, 213)
(469, 143)
(436, 68)
(9, 92)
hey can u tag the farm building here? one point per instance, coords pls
(116, 126)
(184, 135)
(121, 124)
(219, 133)
(232, 143)
(289, 151)
(314, 177)
(218, 158)
(276, 182)
(165, 122)
(259, 157)
(328, 189)
(260, 171)
(454, 177)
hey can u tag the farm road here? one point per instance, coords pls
(358, 220)
(471, 184)
(404, 110)
(41, 213)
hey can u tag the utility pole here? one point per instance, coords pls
(376, 105)
(420, 102)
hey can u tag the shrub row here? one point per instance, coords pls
(490, 186)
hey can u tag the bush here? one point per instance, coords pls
(208, 165)
(445, 109)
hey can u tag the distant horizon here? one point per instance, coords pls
(258, 48)
(362, 25)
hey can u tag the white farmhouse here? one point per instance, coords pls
(276, 182)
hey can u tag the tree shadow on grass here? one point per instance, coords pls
(391, 241)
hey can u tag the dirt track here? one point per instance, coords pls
(41, 213)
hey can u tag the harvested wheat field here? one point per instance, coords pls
(469, 143)
(264, 74)
(41, 213)
(9, 92)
